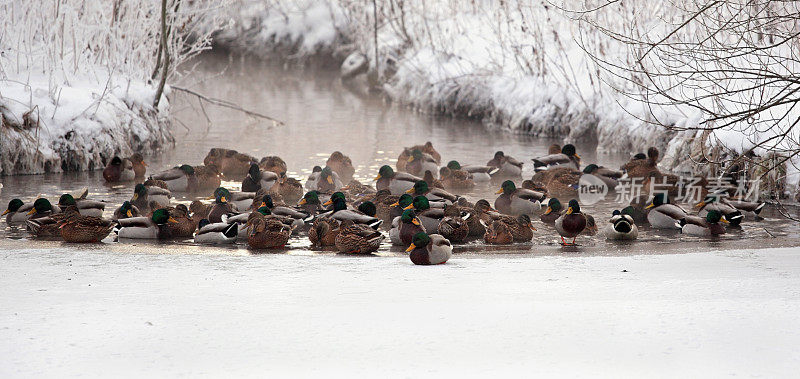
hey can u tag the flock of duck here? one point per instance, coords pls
(417, 200)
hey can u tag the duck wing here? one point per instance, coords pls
(357, 217)
(529, 195)
(140, 222)
(171, 174)
(551, 159)
(406, 177)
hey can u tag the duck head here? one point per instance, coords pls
(187, 170)
(507, 187)
(139, 191)
(482, 206)
(13, 206)
(254, 171)
(714, 217)
(404, 201)
(161, 217)
(203, 223)
(264, 211)
(327, 175)
(590, 169)
(421, 240)
(420, 187)
(385, 171)
(416, 154)
(499, 155)
(221, 195)
(525, 221)
(65, 200)
(41, 205)
(266, 201)
(334, 197)
(409, 216)
(553, 205)
(116, 161)
(652, 154)
(659, 199)
(573, 207)
(368, 208)
(420, 203)
(454, 165)
(311, 197)
(127, 208)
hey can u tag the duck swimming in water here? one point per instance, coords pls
(566, 158)
(507, 166)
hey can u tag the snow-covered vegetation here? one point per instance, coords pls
(550, 68)
(78, 79)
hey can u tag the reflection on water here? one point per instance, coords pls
(321, 116)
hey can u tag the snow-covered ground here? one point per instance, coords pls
(68, 311)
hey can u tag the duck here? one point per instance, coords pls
(478, 174)
(430, 217)
(77, 228)
(432, 181)
(208, 177)
(298, 216)
(427, 148)
(607, 176)
(421, 188)
(399, 206)
(273, 163)
(119, 170)
(404, 227)
(17, 212)
(126, 210)
(179, 179)
(430, 249)
(86, 207)
(508, 166)
(323, 231)
(396, 182)
(621, 227)
(498, 233)
(453, 225)
(455, 180)
(265, 231)
(664, 215)
(640, 166)
(561, 182)
(749, 209)
(139, 166)
(342, 165)
(184, 226)
(733, 216)
(328, 182)
(517, 201)
(288, 189)
(566, 158)
(710, 225)
(571, 223)
(257, 179)
(356, 238)
(520, 227)
(153, 227)
(420, 162)
(384, 203)
(216, 233)
(341, 213)
(43, 219)
(310, 203)
(144, 195)
(591, 225)
(553, 211)
(221, 206)
(230, 163)
(313, 178)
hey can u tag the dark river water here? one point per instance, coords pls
(321, 115)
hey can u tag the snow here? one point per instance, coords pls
(143, 311)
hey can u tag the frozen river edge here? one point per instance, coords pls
(76, 311)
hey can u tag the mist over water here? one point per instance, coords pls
(323, 115)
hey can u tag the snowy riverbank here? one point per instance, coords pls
(518, 68)
(85, 310)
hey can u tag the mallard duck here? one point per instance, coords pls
(357, 238)
(477, 174)
(126, 210)
(119, 170)
(341, 165)
(432, 182)
(517, 201)
(430, 249)
(457, 180)
(553, 211)
(396, 182)
(42, 221)
(498, 233)
(299, 216)
(430, 217)
(566, 158)
(17, 212)
(85, 206)
(153, 227)
(621, 227)
(241, 200)
(664, 215)
(399, 206)
(288, 189)
(274, 164)
(453, 225)
(427, 148)
(77, 228)
(640, 166)
(184, 226)
(609, 177)
(139, 166)
(179, 179)
(341, 213)
(216, 233)
(637, 210)
(404, 227)
(420, 162)
(208, 177)
(149, 198)
(421, 188)
(748, 208)
(507, 166)
(313, 179)
(310, 203)
(323, 232)
(257, 179)
(230, 163)
(571, 223)
(221, 206)
(384, 203)
(591, 225)
(328, 181)
(713, 202)
(199, 210)
(710, 225)
(487, 214)
(266, 232)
